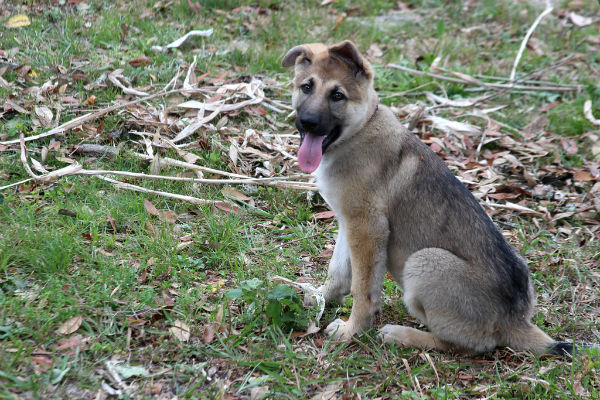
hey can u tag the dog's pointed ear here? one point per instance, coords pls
(348, 53)
(290, 58)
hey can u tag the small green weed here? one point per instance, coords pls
(279, 304)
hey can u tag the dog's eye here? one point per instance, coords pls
(306, 88)
(337, 96)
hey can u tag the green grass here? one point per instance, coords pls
(80, 247)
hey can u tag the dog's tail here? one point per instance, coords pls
(561, 349)
(531, 338)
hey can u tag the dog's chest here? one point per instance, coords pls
(330, 188)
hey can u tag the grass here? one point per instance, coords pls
(80, 247)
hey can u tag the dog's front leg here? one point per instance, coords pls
(367, 239)
(339, 276)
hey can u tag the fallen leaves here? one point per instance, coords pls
(17, 21)
(208, 334)
(180, 331)
(580, 20)
(69, 326)
(163, 215)
(140, 62)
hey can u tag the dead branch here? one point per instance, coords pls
(548, 10)
(476, 82)
(95, 115)
(129, 186)
(15, 183)
(97, 150)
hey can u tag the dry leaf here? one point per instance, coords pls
(569, 146)
(312, 328)
(180, 331)
(338, 21)
(72, 343)
(374, 51)
(150, 208)
(230, 208)
(234, 194)
(328, 392)
(45, 115)
(583, 176)
(324, 215)
(17, 21)
(140, 62)
(42, 360)
(259, 392)
(580, 20)
(208, 334)
(70, 326)
(167, 215)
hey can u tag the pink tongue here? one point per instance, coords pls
(310, 152)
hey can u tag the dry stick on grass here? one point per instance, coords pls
(15, 183)
(77, 169)
(508, 88)
(129, 186)
(182, 164)
(92, 116)
(548, 10)
(484, 84)
(50, 177)
(277, 182)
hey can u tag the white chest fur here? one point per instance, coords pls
(329, 188)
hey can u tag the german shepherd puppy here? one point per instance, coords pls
(401, 210)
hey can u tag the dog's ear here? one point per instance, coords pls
(347, 52)
(290, 58)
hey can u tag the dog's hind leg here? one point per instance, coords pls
(452, 299)
(411, 337)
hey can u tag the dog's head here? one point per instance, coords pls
(333, 96)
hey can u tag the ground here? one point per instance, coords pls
(172, 291)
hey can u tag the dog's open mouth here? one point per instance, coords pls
(312, 148)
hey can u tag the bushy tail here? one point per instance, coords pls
(531, 338)
(563, 349)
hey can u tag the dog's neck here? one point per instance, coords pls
(374, 112)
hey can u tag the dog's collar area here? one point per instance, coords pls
(374, 112)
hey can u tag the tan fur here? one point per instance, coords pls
(401, 211)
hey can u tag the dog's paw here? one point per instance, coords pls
(340, 330)
(391, 334)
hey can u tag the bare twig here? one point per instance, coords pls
(514, 207)
(484, 84)
(114, 375)
(243, 179)
(529, 81)
(97, 150)
(182, 164)
(129, 186)
(77, 169)
(24, 159)
(276, 181)
(511, 87)
(587, 112)
(548, 10)
(16, 183)
(92, 116)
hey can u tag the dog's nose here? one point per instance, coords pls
(309, 122)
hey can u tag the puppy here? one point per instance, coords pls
(400, 210)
